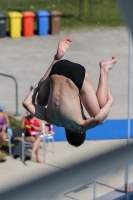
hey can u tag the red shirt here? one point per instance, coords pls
(32, 121)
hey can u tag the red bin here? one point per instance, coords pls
(28, 23)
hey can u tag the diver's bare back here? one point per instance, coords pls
(64, 103)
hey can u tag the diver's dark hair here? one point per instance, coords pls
(75, 138)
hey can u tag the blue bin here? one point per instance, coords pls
(42, 22)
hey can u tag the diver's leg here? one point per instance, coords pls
(91, 101)
(44, 84)
(102, 90)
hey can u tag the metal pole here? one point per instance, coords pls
(80, 4)
(85, 8)
(94, 194)
(9, 3)
(90, 9)
(16, 95)
(129, 105)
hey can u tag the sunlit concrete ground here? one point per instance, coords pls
(14, 172)
(27, 60)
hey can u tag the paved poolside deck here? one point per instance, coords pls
(14, 172)
(27, 59)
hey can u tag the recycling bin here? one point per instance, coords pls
(3, 18)
(28, 23)
(55, 20)
(15, 20)
(42, 22)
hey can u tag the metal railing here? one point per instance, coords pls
(16, 89)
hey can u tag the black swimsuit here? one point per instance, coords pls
(73, 71)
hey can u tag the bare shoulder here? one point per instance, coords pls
(39, 121)
(23, 118)
(5, 114)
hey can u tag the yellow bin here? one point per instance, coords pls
(15, 19)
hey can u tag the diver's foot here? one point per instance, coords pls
(62, 47)
(107, 65)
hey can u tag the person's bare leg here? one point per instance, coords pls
(32, 140)
(102, 90)
(35, 145)
(2, 140)
(44, 85)
(61, 50)
(37, 155)
(94, 101)
(35, 149)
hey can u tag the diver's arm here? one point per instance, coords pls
(30, 105)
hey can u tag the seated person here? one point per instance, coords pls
(32, 128)
(4, 127)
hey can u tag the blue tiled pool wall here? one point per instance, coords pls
(111, 129)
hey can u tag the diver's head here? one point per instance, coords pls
(75, 138)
